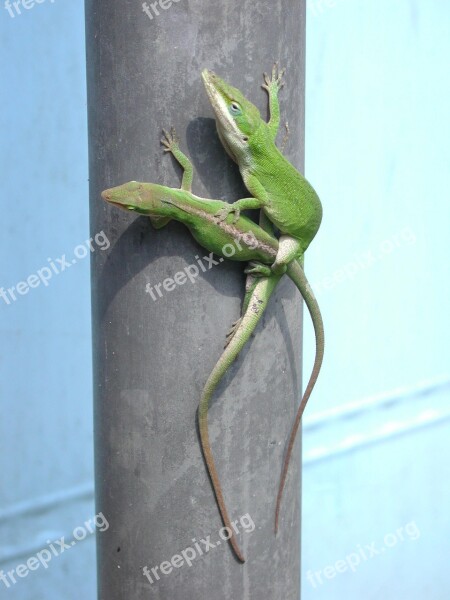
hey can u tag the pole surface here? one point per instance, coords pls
(152, 357)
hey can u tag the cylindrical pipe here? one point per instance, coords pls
(155, 342)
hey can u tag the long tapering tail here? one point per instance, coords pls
(256, 307)
(296, 273)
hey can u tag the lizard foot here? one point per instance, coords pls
(232, 331)
(274, 82)
(223, 213)
(257, 269)
(278, 268)
(170, 140)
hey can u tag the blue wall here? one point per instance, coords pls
(376, 431)
(45, 361)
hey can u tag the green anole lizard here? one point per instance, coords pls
(283, 194)
(252, 243)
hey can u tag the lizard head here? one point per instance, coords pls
(237, 118)
(128, 197)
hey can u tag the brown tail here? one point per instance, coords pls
(257, 305)
(297, 275)
(204, 438)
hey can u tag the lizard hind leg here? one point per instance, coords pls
(289, 249)
(257, 269)
(254, 271)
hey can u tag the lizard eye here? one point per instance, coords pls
(235, 109)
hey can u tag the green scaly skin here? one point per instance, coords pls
(251, 243)
(286, 198)
(284, 195)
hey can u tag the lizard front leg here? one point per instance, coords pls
(258, 200)
(236, 207)
(273, 84)
(171, 144)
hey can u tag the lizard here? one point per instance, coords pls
(251, 242)
(284, 196)
(287, 199)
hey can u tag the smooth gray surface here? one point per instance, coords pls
(151, 359)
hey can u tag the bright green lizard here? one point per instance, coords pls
(283, 194)
(251, 243)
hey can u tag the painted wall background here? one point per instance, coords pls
(375, 522)
(375, 480)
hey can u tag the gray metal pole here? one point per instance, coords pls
(152, 354)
